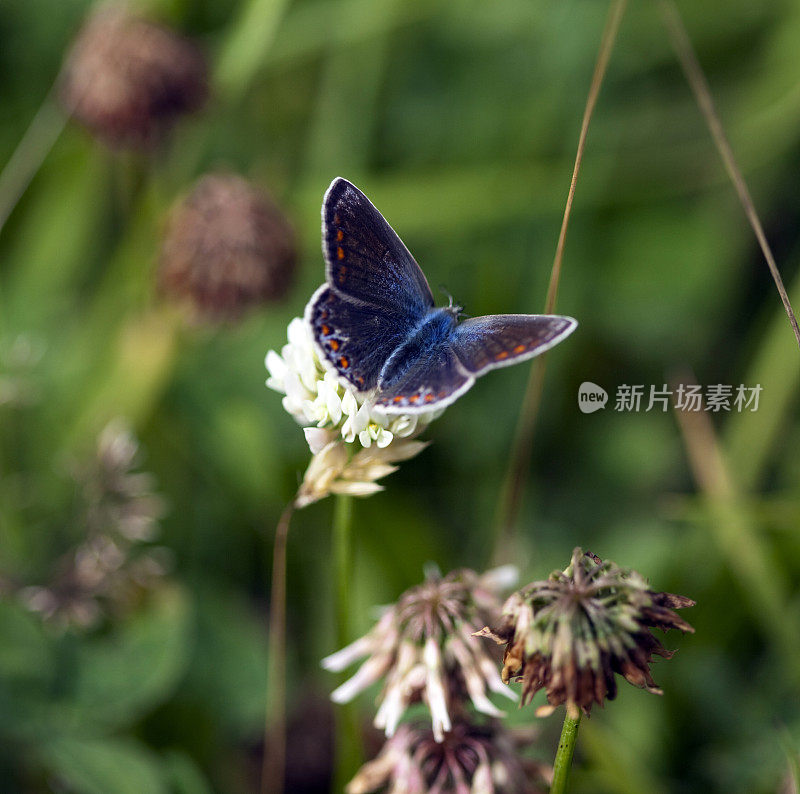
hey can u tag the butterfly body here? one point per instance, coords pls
(435, 329)
(374, 320)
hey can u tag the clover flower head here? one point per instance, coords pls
(571, 633)
(472, 759)
(227, 248)
(318, 400)
(128, 80)
(423, 647)
(353, 442)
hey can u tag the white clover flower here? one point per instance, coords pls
(316, 397)
(422, 646)
(354, 443)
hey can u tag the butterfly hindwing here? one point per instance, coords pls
(497, 340)
(356, 339)
(432, 379)
(366, 260)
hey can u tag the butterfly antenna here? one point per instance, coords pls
(452, 306)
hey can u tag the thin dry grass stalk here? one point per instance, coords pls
(693, 71)
(523, 438)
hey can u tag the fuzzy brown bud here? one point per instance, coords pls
(127, 80)
(227, 248)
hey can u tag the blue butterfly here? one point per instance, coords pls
(375, 322)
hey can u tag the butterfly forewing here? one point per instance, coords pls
(366, 260)
(484, 343)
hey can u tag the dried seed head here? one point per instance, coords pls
(423, 647)
(573, 632)
(128, 80)
(111, 567)
(472, 759)
(227, 248)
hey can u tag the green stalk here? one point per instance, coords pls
(343, 565)
(349, 753)
(274, 759)
(566, 749)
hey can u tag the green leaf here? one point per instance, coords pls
(127, 674)
(102, 766)
(229, 666)
(184, 776)
(25, 652)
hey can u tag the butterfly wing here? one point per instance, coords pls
(440, 372)
(432, 378)
(365, 259)
(498, 340)
(356, 338)
(375, 292)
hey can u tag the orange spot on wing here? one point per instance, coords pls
(397, 399)
(336, 218)
(360, 380)
(519, 349)
(340, 252)
(339, 235)
(428, 398)
(502, 355)
(326, 330)
(344, 363)
(414, 398)
(334, 345)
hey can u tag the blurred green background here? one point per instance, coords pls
(459, 120)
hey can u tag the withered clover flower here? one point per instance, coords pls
(423, 647)
(571, 633)
(472, 759)
(227, 248)
(127, 80)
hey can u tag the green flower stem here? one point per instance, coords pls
(343, 565)
(348, 735)
(566, 749)
(274, 759)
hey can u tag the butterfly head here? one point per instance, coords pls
(452, 308)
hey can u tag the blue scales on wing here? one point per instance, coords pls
(432, 375)
(366, 260)
(355, 337)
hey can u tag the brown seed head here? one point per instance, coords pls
(128, 80)
(227, 248)
(471, 759)
(571, 634)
